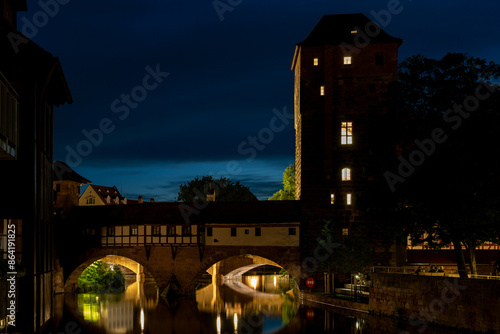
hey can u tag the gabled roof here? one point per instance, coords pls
(23, 61)
(336, 30)
(63, 172)
(103, 192)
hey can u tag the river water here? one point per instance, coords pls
(256, 304)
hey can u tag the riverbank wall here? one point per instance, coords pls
(471, 304)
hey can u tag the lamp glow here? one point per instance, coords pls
(253, 282)
(142, 320)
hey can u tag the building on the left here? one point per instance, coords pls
(32, 82)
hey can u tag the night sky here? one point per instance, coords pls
(219, 76)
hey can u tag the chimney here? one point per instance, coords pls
(140, 199)
(151, 200)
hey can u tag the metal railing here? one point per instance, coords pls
(411, 270)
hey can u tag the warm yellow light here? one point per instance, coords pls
(142, 320)
(347, 60)
(316, 61)
(274, 280)
(235, 320)
(253, 282)
(322, 90)
(354, 31)
(349, 199)
(332, 198)
(346, 174)
(346, 133)
(218, 324)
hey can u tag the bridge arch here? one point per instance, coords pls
(86, 259)
(291, 265)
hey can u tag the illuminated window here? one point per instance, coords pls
(316, 61)
(345, 231)
(347, 60)
(134, 230)
(322, 90)
(346, 174)
(155, 230)
(349, 199)
(354, 32)
(346, 133)
(332, 198)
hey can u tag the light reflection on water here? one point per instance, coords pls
(232, 307)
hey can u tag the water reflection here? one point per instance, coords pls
(115, 313)
(222, 308)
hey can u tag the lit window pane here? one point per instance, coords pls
(316, 61)
(332, 198)
(346, 133)
(349, 199)
(347, 60)
(346, 174)
(322, 90)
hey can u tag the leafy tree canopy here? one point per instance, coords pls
(98, 277)
(224, 189)
(288, 191)
(449, 190)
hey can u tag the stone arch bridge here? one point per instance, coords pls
(177, 246)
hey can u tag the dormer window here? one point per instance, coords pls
(90, 200)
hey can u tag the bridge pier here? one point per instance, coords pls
(180, 271)
(141, 276)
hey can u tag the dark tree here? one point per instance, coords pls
(223, 188)
(447, 165)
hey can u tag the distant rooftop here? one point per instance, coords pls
(339, 29)
(63, 172)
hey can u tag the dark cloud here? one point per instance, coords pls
(225, 77)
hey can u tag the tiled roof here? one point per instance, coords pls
(24, 61)
(103, 192)
(63, 172)
(172, 213)
(336, 30)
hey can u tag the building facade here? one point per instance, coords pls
(343, 73)
(102, 195)
(32, 83)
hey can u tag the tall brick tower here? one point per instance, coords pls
(342, 72)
